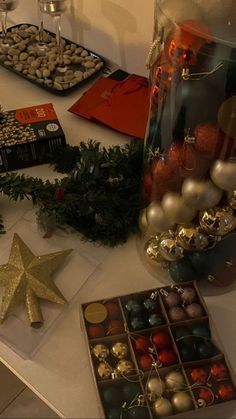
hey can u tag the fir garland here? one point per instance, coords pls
(100, 197)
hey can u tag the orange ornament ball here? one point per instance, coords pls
(96, 331)
(115, 327)
(113, 310)
(145, 362)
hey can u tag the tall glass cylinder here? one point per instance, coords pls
(189, 177)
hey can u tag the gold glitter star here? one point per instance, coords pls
(27, 278)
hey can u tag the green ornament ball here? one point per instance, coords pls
(139, 412)
(205, 350)
(112, 396)
(130, 391)
(181, 271)
(187, 352)
(114, 413)
(201, 330)
(199, 261)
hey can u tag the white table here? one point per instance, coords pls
(60, 373)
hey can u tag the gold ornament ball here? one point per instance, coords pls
(232, 199)
(157, 221)
(175, 380)
(142, 221)
(226, 114)
(155, 388)
(104, 370)
(120, 350)
(218, 221)
(163, 407)
(192, 238)
(182, 401)
(169, 248)
(125, 367)
(101, 351)
(223, 174)
(176, 210)
(201, 194)
(152, 253)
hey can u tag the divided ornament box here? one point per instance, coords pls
(156, 353)
(189, 175)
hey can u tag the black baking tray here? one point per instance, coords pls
(74, 67)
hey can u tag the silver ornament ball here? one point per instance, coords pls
(201, 194)
(176, 210)
(156, 219)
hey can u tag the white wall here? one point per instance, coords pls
(120, 30)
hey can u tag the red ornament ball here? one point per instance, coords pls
(167, 357)
(209, 140)
(219, 371)
(96, 331)
(199, 375)
(113, 310)
(161, 340)
(145, 362)
(226, 391)
(142, 344)
(115, 327)
(206, 395)
(185, 160)
(146, 191)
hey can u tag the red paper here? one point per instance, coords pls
(121, 105)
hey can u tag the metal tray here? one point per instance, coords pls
(82, 63)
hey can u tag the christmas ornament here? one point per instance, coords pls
(205, 349)
(161, 340)
(125, 367)
(133, 306)
(182, 401)
(176, 314)
(219, 371)
(145, 362)
(199, 375)
(175, 381)
(155, 320)
(95, 313)
(112, 396)
(187, 352)
(101, 352)
(171, 299)
(142, 343)
(104, 370)
(169, 249)
(113, 310)
(200, 194)
(226, 117)
(226, 391)
(152, 253)
(27, 278)
(96, 331)
(114, 413)
(218, 221)
(157, 222)
(130, 391)
(155, 388)
(185, 160)
(223, 174)
(164, 179)
(167, 357)
(142, 221)
(150, 304)
(188, 295)
(199, 261)
(192, 238)
(194, 310)
(209, 140)
(175, 209)
(120, 350)
(205, 397)
(115, 327)
(138, 323)
(138, 412)
(201, 330)
(181, 332)
(231, 197)
(163, 407)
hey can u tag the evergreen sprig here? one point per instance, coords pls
(99, 197)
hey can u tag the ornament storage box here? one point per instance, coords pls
(28, 135)
(156, 353)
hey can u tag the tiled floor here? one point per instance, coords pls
(17, 401)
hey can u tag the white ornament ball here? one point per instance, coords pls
(176, 210)
(201, 194)
(175, 380)
(163, 407)
(156, 388)
(156, 219)
(223, 174)
(182, 401)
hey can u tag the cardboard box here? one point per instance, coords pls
(28, 135)
(118, 327)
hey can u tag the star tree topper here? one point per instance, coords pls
(26, 278)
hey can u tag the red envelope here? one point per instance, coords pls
(121, 105)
